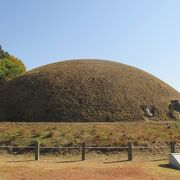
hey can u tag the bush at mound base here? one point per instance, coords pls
(85, 90)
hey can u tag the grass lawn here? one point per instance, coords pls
(21, 167)
(17, 167)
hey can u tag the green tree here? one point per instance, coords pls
(3, 54)
(10, 67)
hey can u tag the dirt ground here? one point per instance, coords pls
(25, 168)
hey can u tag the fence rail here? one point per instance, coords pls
(130, 149)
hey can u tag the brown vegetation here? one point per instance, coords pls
(85, 90)
(91, 170)
(95, 134)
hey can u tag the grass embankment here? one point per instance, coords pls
(96, 134)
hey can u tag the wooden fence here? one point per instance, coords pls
(129, 149)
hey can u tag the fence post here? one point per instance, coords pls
(129, 151)
(83, 151)
(37, 148)
(172, 146)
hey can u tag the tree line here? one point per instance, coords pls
(10, 66)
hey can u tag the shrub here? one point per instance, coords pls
(10, 67)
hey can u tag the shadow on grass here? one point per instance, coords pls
(21, 161)
(111, 162)
(158, 160)
(168, 166)
(44, 161)
(70, 161)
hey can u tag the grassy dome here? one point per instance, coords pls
(85, 90)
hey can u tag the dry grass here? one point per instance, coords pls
(96, 134)
(88, 90)
(91, 170)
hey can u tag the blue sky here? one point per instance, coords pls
(141, 33)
